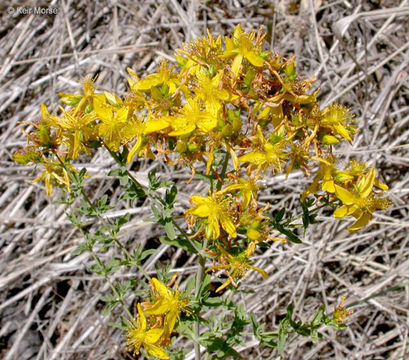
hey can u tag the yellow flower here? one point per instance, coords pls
(79, 100)
(76, 128)
(248, 190)
(236, 267)
(241, 47)
(209, 91)
(340, 313)
(165, 76)
(361, 203)
(138, 336)
(167, 303)
(336, 118)
(192, 117)
(216, 210)
(114, 118)
(137, 129)
(270, 155)
(54, 172)
(326, 174)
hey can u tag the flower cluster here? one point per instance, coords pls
(164, 311)
(234, 109)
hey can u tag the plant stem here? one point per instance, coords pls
(223, 173)
(106, 223)
(199, 278)
(102, 266)
(114, 290)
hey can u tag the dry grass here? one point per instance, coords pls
(50, 304)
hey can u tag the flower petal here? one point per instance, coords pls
(362, 221)
(156, 351)
(344, 195)
(153, 335)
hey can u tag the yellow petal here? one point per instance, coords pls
(156, 351)
(48, 185)
(262, 272)
(235, 159)
(235, 67)
(44, 112)
(148, 82)
(380, 185)
(344, 195)
(225, 284)
(153, 335)
(254, 59)
(362, 221)
(155, 125)
(162, 289)
(181, 126)
(170, 322)
(341, 212)
(122, 114)
(366, 185)
(237, 33)
(160, 307)
(202, 210)
(112, 99)
(135, 149)
(228, 225)
(206, 122)
(209, 162)
(214, 226)
(328, 186)
(141, 318)
(198, 199)
(256, 157)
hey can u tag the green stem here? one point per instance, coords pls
(114, 290)
(199, 278)
(223, 173)
(106, 223)
(102, 266)
(118, 161)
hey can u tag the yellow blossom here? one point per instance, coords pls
(216, 210)
(236, 267)
(361, 202)
(165, 76)
(209, 91)
(248, 190)
(167, 302)
(54, 172)
(192, 117)
(75, 128)
(114, 118)
(138, 336)
(326, 174)
(336, 118)
(269, 155)
(241, 47)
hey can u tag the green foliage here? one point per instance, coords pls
(276, 220)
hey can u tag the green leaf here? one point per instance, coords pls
(319, 317)
(181, 243)
(171, 195)
(279, 215)
(170, 230)
(83, 247)
(283, 329)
